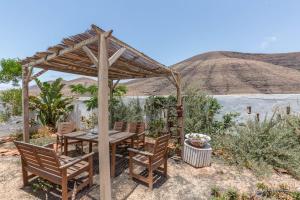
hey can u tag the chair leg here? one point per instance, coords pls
(130, 165)
(25, 176)
(166, 167)
(90, 171)
(150, 178)
(64, 186)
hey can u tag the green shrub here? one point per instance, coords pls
(13, 100)
(200, 114)
(215, 191)
(262, 192)
(5, 115)
(156, 109)
(51, 106)
(261, 146)
(134, 111)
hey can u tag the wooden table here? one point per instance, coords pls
(115, 138)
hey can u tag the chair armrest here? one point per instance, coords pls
(145, 153)
(58, 134)
(142, 133)
(76, 160)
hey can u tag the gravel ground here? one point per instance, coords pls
(184, 182)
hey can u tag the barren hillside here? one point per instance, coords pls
(230, 73)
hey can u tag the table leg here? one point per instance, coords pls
(113, 160)
(90, 147)
(65, 146)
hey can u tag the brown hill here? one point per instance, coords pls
(34, 90)
(229, 73)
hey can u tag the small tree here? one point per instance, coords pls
(51, 106)
(13, 98)
(11, 70)
(200, 112)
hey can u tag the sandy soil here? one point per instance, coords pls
(184, 182)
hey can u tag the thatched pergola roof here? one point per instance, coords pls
(70, 57)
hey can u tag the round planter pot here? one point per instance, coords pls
(197, 157)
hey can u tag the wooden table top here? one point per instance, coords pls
(114, 136)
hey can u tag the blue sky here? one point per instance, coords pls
(169, 30)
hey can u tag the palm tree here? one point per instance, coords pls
(51, 106)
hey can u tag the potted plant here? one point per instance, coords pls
(197, 151)
(197, 139)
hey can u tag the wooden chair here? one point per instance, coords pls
(150, 160)
(45, 163)
(139, 128)
(64, 128)
(120, 126)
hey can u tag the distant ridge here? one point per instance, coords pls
(225, 72)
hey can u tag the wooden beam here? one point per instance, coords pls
(175, 78)
(38, 74)
(29, 74)
(25, 101)
(63, 51)
(103, 143)
(90, 54)
(115, 56)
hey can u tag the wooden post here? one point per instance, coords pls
(288, 110)
(249, 110)
(179, 105)
(257, 117)
(25, 100)
(103, 143)
(111, 89)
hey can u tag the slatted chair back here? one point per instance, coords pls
(132, 127)
(140, 127)
(120, 126)
(39, 159)
(160, 148)
(66, 127)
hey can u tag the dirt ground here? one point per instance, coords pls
(183, 182)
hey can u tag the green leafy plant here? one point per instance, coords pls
(262, 146)
(215, 191)
(156, 109)
(134, 111)
(13, 100)
(5, 115)
(200, 111)
(200, 114)
(10, 71)
(51, 106)
(116, 106)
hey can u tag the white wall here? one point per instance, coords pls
(264, 104)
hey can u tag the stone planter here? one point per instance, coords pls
(197, 157)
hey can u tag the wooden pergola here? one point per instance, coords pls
(99, 54)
